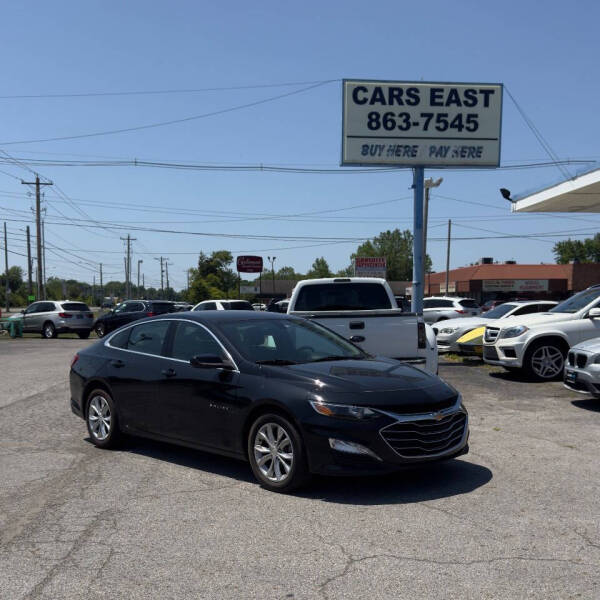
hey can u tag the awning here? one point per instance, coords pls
(580, 194)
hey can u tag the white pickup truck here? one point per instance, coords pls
(538, 343)
(363, 310)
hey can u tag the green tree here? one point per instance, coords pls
(584, 251)
(288, 273)
(396, 247)
(320, 268)
(213, 278)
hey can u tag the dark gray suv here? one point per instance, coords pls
(53, 317)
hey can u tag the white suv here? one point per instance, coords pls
(439, 308)
(223, 305)
(539, 343)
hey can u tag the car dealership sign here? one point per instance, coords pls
(370, 266)
(421, 124)
(249, 264)
(515, 285)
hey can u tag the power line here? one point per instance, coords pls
(173, 121)
(168, 91)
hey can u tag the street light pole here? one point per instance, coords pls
(140, 261)
(272, 261)
(428, 183)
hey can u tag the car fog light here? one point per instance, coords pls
(352, 448)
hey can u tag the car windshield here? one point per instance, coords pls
(577, 302)
(342, 296)
(237, 305)
(287, 341)
(499, 311)
(75, 306)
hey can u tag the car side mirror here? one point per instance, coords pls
(594, 313)
(210, 361)
(22, 311)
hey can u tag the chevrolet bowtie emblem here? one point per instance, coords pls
(438, 416)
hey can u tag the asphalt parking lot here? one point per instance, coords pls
(515, 518)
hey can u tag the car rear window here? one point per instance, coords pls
(75, 306)
(342, 296)
(162, 307)
(237, 305)
(469, 303)
(437, 303)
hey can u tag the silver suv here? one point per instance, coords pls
(440, 308)
(51, 318)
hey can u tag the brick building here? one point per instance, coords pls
(503, 281)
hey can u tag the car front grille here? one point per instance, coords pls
(491, 334)
(490, 353)
(574, 358)
(425, 437)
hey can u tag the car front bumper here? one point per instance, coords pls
(378, 436)
(583, 380)
(505, 353)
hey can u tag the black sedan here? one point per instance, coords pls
(286, 394)
(128, 311)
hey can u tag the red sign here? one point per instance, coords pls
(249, 264)
(370, 262)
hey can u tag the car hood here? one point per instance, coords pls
(533, 320)
(592, 346)
(462, 323)
(381, 383)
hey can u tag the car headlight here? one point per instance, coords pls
(512, 332)
(448, 330)
(343, 411)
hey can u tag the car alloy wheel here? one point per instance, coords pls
(99, 418)
(276, 453)
(49, 331)
(547, 362)
(99, 329)
(273, 452)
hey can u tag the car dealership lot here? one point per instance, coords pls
(516, 517)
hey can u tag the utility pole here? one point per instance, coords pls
(7, 289)
(143, 281)
(38, 230)
(167, 263)
(101, 286)
(93, 290)
(43, 260)
(129, 239)
(140, 261)
(429, 183)
(448, 254)
(29, 284)
(162, 289)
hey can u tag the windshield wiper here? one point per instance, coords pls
(276, 361)
(335, 357)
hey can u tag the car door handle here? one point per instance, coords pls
(357, 338)
(169, 372)
(117, 363)
(357, 324)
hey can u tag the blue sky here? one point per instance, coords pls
(546, 58)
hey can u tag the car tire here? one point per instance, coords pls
(100, 330)
(102, 420)
(545, 360)
(49, 331)
(276, 453)
(84, 335)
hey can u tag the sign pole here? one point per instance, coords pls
(418, 258)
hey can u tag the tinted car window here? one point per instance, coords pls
(290, 340)
(469, 303)
(134, 307)
(499, 311)
(437, 303)
(148, 337)
(162, 307)
(207, 306)
(120, 339)
(578, 301)
(191, 340)
(32, 308)
(46, 307)
(76, 306)
(343, 296)
(237, 305)
(545, 307)
(526, 310)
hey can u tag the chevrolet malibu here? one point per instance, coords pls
(283, 393)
